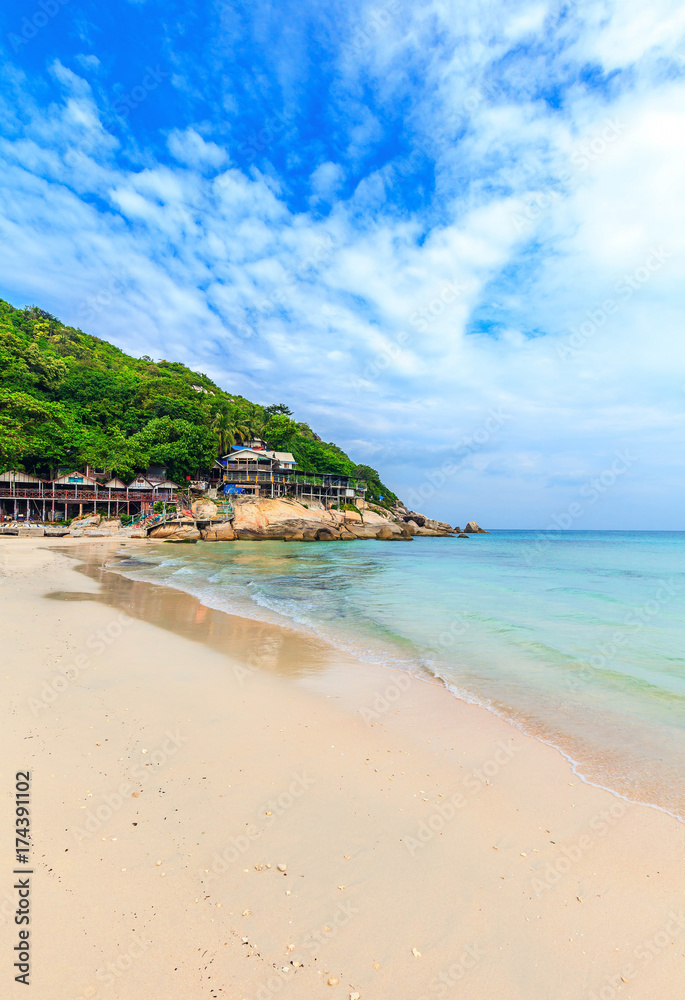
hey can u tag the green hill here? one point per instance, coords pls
(68, 398)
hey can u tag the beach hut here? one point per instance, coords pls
(13, 476)
(114, 484)
(77, 480)
(140, 483)
(16, 484)
(165, 489)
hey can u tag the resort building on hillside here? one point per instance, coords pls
(274, 474)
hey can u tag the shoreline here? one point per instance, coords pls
(426, 674)
(442, 846)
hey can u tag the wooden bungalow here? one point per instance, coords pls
(140, 483)
(14, 476)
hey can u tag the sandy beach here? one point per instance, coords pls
(223, 808)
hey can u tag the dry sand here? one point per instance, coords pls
(431, 849)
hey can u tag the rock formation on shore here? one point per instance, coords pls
(262, 519)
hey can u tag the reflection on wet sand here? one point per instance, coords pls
(257, 644)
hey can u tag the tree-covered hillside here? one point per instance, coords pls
(68, 398)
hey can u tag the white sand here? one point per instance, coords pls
(154, 772)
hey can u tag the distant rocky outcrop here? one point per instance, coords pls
(420, 521)
(473, 529)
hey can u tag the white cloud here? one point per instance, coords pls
(190, 148)
(326, 179)
(373, 323)
(88, 62)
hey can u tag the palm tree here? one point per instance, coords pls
(251, 424)
(224, 426)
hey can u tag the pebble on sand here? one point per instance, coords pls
(332, 982)
(416, 953)
(281, 868)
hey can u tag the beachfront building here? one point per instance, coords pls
(254, 470)
(263, 472)
(72, 492)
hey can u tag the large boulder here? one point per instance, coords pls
(473, 529)
(176, 532)
(249, 534)
(347, 532)
(222, 531)
(393, 533)
(417, 518)
(442, 526)
(364, 530)
(287, 528)
(91, 520)
(328, 534)
(204, 509)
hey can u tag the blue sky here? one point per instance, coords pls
(449, 236)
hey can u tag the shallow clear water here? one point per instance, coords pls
(577, 637)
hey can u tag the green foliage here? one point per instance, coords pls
(68, 398)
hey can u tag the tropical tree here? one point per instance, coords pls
(224, 426)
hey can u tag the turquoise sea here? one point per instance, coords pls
(576, 637)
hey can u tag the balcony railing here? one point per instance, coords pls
(81, 495)
(302, 479)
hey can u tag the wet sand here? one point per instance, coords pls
(179, 755)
